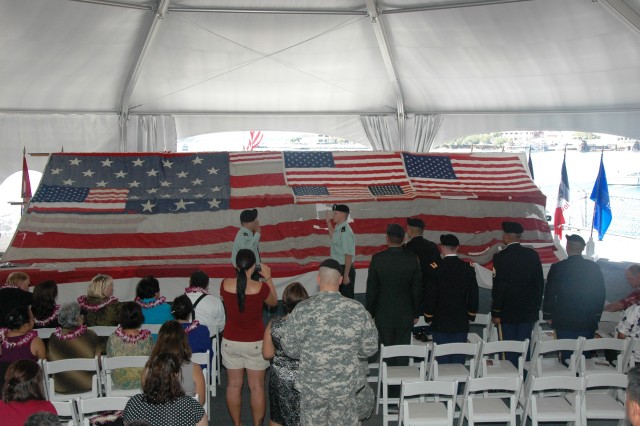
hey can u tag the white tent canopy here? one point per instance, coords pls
(134, 75)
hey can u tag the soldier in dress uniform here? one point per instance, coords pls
(332, 336)
(427, 252)
(568, 281)
(248, 237)
(452, 298)
(343, 247)
(518, 284)
(394, 290)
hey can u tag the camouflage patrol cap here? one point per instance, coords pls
(332, 264)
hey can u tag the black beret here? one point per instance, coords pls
(449, 240)
(333, 264)
(416, 222)
(248, 215)
(395, 229)
(576, 238)
(341, 208)
(512, 228)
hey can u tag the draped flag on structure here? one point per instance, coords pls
(25, 192)
(130, 214)
(602, 210)
(530, 164)
(563, 199)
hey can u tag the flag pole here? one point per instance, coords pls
(591, 245)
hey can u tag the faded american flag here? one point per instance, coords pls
(132, 214)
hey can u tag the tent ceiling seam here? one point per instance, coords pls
(114, 4)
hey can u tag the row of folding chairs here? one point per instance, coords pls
(483, 359)
(102, 384)
(76, 412)
(496, 399)
(106, 331)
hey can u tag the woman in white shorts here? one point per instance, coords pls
(242, 339)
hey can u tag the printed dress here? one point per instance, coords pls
(285, 400)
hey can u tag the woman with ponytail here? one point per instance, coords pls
(243, 299)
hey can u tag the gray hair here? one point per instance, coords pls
(633, 388)
(69, 315)
(43, 418)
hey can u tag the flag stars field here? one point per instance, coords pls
(75, 162)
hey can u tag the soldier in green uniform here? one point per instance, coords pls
(343, 247)
(332, 336)
(248, 237)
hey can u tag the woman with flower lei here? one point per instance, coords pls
(100, 306)
(73, 340)
(19, 341)
(155, 308)
(197, 333)
(44, 307)
(129, 340)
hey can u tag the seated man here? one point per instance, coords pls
(632, 274)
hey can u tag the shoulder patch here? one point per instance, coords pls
(343, 229)
(434, 265)
(246, 234)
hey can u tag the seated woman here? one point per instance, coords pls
(284, 398)
(155, 308)
(197, 333)
(22, 393)
(129, 340)
(72, 340)
(19, 341)
(99, 304)
(163, 401)
(44, 307)
(173, 339)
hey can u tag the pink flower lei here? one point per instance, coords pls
(82, 300)
(49, 319)
(28, 337)
(70, 335)
(147, 305)
(132, 339)
(192, 326)
(195, 290)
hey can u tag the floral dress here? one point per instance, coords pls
(127, 378)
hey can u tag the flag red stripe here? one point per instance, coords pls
(271, 179)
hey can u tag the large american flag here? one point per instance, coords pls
(165, 214)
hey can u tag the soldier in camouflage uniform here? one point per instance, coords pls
(332, 336)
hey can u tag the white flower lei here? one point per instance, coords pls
(195, 290)
(28, 337)
(42, 323)
(132, 339)
(192, 326)
(146, 305)
(82, 300)
(70, 335)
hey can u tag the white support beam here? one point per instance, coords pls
(623, 12)
(136, 66)
(389, 64)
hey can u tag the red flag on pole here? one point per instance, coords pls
(254, 140)
(26, 183)
(563, 199)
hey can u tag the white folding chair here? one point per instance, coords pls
(104, 330)
(492, 366)
(97, 405)
(550, 365)
(217, 378)
(634, 353)
(458, 372)
(540, 332)
(67, 412)
(45, 333)
(416, 411)
(599, 365)
(608, 405)
(395, 375)
(153, 328)
(72, 364)
(111, 363)
(563, 408)
(483, 321)
(608, 322)
(204, 358)
(479, 407)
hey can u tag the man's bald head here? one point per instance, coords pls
(330, 275)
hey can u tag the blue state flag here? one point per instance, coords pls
(602, 210)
